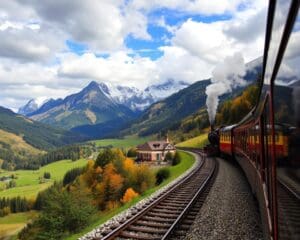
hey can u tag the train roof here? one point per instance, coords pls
(227, 128)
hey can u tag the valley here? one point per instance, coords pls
(96, 127)
(30, 182)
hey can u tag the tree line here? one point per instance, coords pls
(14, 205)
(107, 183)
(15, 162)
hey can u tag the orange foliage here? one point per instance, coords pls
(117, 182)
(112, 205)
(129, 165)
(129, 195)
(91, 175)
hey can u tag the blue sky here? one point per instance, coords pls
(125, 42)
(160, 36)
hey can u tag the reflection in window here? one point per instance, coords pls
(281, 10)
(287, 127)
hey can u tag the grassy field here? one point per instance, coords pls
(127, 142)
(175, 171)
(28, 181)
(11, 224)
(198, 142)
(17, 143)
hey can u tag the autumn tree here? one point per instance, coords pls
(104, 157)
(109, 189)
(129, 195)
(132, 153)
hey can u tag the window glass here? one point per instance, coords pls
(279, 21)
(287, 127)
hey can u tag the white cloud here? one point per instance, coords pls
(206, 7)
(34, 61)
(117, 68)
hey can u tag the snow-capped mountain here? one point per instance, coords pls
(29, 107)
(131, 97)
(138, 100)
(135, 99)
(166, 89)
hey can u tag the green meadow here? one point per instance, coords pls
(126, 142)
(13, 223)
(28, 181)
(196, 142)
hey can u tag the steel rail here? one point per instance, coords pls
(115, 232)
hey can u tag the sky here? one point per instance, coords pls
(52, 48)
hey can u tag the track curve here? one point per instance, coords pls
(173, 212)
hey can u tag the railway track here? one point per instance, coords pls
(289, 212)
(170, 215)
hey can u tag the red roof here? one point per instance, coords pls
(155, 146)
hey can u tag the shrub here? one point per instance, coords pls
(47, 175)
(161, 175)
(129, 195)
(169, 156)
(11, 184)
(5, 211)
(72, 174)
(176, 159)
(132, 153)
(104, 157)
(64, 212)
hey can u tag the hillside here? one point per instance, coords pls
(88, 107)
(185, 110)
(166, 113)
(36, 134)
(13, 148)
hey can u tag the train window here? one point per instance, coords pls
(287, 127)
(280, 17)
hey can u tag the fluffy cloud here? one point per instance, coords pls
(117, 68)
(35, 62)
(102, 25)
(28, 42)
(206, 7)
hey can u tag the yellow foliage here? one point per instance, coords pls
(129, 195)
(107, 185)
(112, 205)
(129, 165)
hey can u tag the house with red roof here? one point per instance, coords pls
(155, 150)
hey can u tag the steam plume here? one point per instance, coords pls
(225, 77)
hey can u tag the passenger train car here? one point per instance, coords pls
(266, 143)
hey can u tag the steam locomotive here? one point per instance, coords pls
(266, 143)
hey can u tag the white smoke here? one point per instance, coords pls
(225, 77)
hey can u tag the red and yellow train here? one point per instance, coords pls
(266, 143)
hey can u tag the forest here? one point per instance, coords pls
(107, 183)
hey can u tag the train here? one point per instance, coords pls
(266, 142)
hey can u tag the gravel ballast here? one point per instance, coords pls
(230, 210)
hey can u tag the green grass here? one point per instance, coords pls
(175, 171)
(12, 223)
(127, 142)
(28, 180)
(197, 142)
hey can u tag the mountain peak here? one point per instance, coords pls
(29, 107)
(92, 85)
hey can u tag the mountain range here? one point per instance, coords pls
(102, 109)
(170, 112)
(99, 105)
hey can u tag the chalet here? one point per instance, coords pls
(155, 150)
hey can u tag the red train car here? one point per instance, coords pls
(266, 143)
(226, 140)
